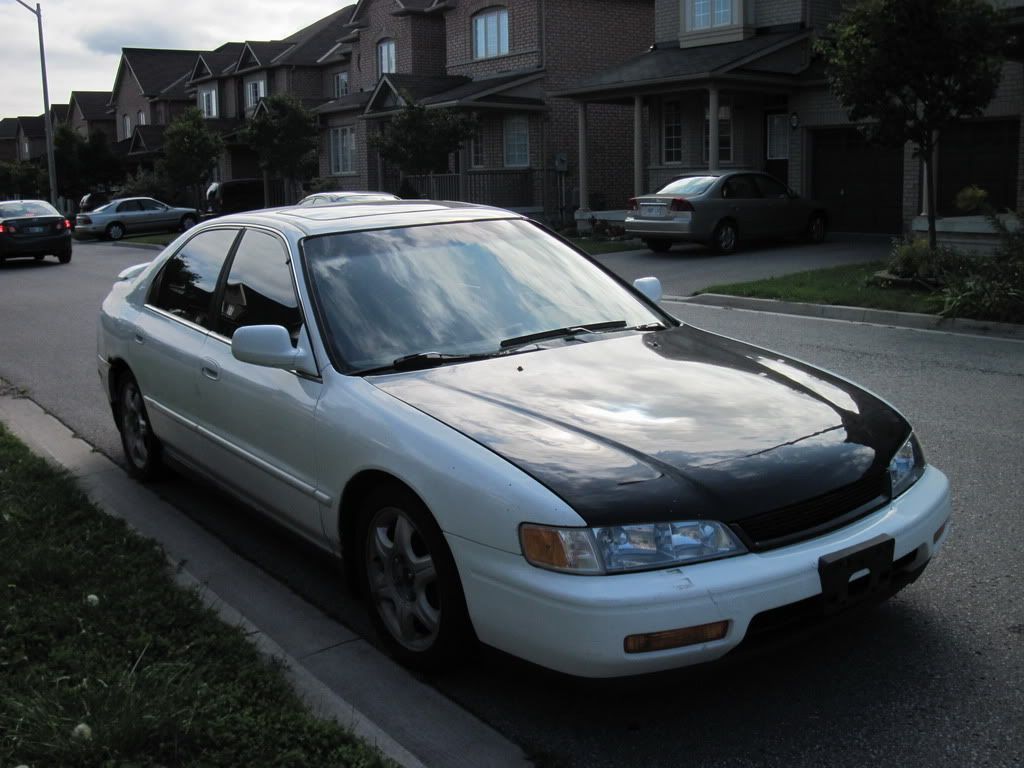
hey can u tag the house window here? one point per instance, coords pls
(778, 137)
(126, 126)
(208, 102)
(476, 152)
(254, 91)
(672, 132)
(724, 134)
(705, 14)
(340, 84)
(141, 117)
(490, 33)
(343, 149)
(385, 57)
(517, 141)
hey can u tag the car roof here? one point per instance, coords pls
(352, 217)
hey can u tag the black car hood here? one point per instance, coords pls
(665, 425)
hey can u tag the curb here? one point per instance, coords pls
(856, 314)
(412, 724)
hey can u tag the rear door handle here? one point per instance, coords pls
(139, 338)
(210, 370)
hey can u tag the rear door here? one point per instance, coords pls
(257, 422)
(170, 332)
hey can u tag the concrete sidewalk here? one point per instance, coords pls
(339, 674)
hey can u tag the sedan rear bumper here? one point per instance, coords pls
(43, 245)
(578, 624)
(678, 228)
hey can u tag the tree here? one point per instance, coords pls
(100, 166)
(283, 133)
(419, 140)
(24, 180)
(68, 154)
(912, 68)
(191, 151)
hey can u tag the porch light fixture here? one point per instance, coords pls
(794, 120)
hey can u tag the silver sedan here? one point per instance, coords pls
(717, 209)
(133, 216)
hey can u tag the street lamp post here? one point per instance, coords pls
(38, 13)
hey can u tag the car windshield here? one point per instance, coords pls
(691, 185)
(27, 208)
(457, 289)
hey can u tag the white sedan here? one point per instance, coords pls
(506, 443)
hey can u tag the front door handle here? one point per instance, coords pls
(139, 338)
(210, 370)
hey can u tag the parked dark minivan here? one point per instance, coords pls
(234, 196)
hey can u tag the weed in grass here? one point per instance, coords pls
(143, 675)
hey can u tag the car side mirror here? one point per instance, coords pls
(649, 287)
(271, 347)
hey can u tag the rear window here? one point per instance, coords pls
(27, 208)
(691, 185)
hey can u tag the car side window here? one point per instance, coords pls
(771, 187)
(259, 289)
(186, 284)
(150, 205)
(740, 188)
(129, 206)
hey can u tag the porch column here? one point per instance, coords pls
(638, 145)
(713, 128)
(584, 186)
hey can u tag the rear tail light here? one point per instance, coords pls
(680, 204)
(7, 229)
(62, 225)
(633, 205)
(84, 220)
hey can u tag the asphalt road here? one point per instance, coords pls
(935, 677)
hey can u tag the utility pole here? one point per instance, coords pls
(38, 13)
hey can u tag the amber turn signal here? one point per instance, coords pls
(676, 638)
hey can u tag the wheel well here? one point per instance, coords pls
(355, 491)
(118, 368)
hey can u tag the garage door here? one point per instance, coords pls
(861, 185)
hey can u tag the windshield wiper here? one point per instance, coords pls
(557, 333)
(422, 360)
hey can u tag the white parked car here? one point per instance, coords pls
(505, 442)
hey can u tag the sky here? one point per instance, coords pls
(84, 38)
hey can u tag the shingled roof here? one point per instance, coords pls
(665, 65)
(34, 127)
(8, 127)
(92, 104)
(157, 69)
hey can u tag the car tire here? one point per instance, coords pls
(409, 580)
(64, 257)
(726, 237)
(142, 449)
(817, 228)
(658, 245)
(115, 231)
(187, 222)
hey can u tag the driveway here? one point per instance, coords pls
(686, 269)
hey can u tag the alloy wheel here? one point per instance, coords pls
(726, 237)
(134, 425)
(402, 579)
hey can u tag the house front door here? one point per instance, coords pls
(776, 149)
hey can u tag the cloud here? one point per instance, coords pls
(84, 41)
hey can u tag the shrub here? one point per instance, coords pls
(915, 260)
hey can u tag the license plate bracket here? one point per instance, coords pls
(652, 211)
(837, 568)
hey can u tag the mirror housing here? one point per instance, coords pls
(271, 347)
(649, 287)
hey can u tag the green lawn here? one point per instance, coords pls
(156, 239)
(105, 662)
(836, 285)
(594, 247)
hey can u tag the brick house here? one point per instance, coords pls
(501, 61)
(149, 90)
(227, 85)
(8, 139)
(751, 63)
(88, 113)
(30, 139)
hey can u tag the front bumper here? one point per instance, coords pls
(577, 624)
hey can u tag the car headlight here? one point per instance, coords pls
(906, 466)
(622, 548)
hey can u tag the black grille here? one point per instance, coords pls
(815, 516)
